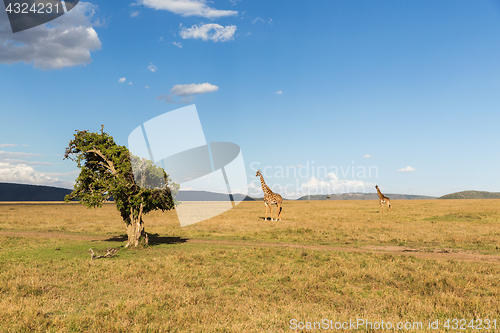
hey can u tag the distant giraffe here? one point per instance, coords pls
(383, 199)
(270, 198)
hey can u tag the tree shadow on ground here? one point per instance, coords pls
(154, 239)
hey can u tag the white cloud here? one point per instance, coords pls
(13, 160)
(253, 186)
(270, 22)
(146, 87)
(25, 174)
(332, 185)
(257, 19)
(188, 8)
(279, 92)
(122, 79)
(193, 89)
(161, 39)
(179, 45)
(186, 91)
(407, 169)
(9, 154)
(211, 31)
(7, 145)
(16, 157)
(64, 42)
(152, 68)
(134, 13)
(130, 83)
(368, 156)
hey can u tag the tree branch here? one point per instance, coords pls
(110, 165)
(109, 253)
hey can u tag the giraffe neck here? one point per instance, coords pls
(380, 195)
(265, 188)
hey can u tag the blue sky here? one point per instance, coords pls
(378, 86)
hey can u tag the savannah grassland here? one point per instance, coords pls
(339, 260)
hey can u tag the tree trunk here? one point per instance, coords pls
(135, 230)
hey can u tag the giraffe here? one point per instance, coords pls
(270, 198)
(383, 199)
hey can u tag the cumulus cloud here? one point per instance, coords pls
(64, 42)
(188, 8)
(211, 31)
(279, 92)
(332, 185)
(134, 13)
(152, 68)
(193, 89)
(122, 80)
(179, 45)
(407, 169)
(25, 174)
(14, 168)
(186, 92)
(368, 156)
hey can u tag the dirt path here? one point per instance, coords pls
(446, 254)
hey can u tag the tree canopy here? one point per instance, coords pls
(108, 170)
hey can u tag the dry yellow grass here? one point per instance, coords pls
(428, 224)
(223, 280)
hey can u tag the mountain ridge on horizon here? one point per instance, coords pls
(30, 192)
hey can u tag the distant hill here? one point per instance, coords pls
(23, 192)
(364, 196)
(472, 195)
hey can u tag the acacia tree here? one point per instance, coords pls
(107, 170)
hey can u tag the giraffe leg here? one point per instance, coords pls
(266, 212)
(279, 212)
(389, 205)
(271, 210)
(381, 206)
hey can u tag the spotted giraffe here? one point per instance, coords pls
(270, 198)
(383, 199)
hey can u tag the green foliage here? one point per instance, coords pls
(106, 170)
